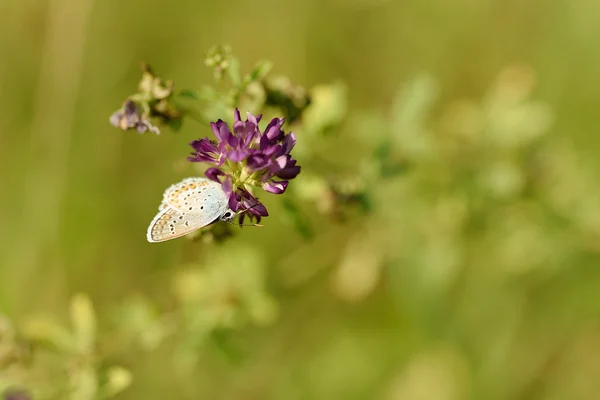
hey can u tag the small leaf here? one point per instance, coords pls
(234, 72)
(189, 93)
(298, 219)
(118, 379)
(359, 270)
(49, 332)
(175, 124)
(392, 169)
(84, 322)
(260, 70)
(327, 109)
(388, 167)
(205, 93)
(216, 110)
(222, 341)
(84, 383)
(365, 202)
(410, 110)
(383, 151)
(263, 309)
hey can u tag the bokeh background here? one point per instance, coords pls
(474, 274)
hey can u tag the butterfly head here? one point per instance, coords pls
(227, 216)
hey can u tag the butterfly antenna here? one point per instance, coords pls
(256, 225)
(243, 211)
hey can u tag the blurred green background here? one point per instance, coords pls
(449, 289)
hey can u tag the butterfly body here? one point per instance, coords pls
(188, 206)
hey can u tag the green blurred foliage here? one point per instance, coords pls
(441, 241)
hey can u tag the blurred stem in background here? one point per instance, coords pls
(47, 162)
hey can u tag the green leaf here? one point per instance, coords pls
(327, 110)
(298, 219)
(189, 93)
(175, 124)
(260, 70)
(392, 169)
(365, 202)
(205, 93)
(383, 151)
(223, 342)
(234, 72)
(410, 111)
(216, 110)
(84, 322)
(50, 332)
(388, 167)
(118, 379)
(84, 383)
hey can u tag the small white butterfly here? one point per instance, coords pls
(187, 206)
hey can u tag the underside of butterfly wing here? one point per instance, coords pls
(187, 206)
(193, 193)
(171, 223)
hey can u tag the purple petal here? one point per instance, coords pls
(236, 115)
(115, 118)
(257, 161)
(233, 141)
(274, 150)
(252, 217)
(288, 172)
(250, 138)
(275, 187)
(200, 158)
(253, 119)
(205, 150)
(273, 130)
(237, 155)
(130, 108)
(245, 131)
(281, 162)
(221, 130)
(227, 186)
(238, 128)
(204, 145)
(251, 204)
(222, 159)
(222, 147)
(263, 143)
(130, 120)
(234, 201)
(258, 209)
(141, 127)
(213, 174)
(288, 143)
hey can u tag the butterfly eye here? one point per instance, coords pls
(227, 215)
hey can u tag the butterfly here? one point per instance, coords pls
(187, 206)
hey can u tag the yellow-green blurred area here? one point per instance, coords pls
(473, 275)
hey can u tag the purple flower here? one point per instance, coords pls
(130, 117)
(245, 158)
(152, 102)
(14, 394)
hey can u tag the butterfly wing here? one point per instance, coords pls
(171, 223)
(195, 195)
(187, 206)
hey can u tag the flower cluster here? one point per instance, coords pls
(246, 158)
(219, 58)
(14, 394)
(131, 117)
(151, 103)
